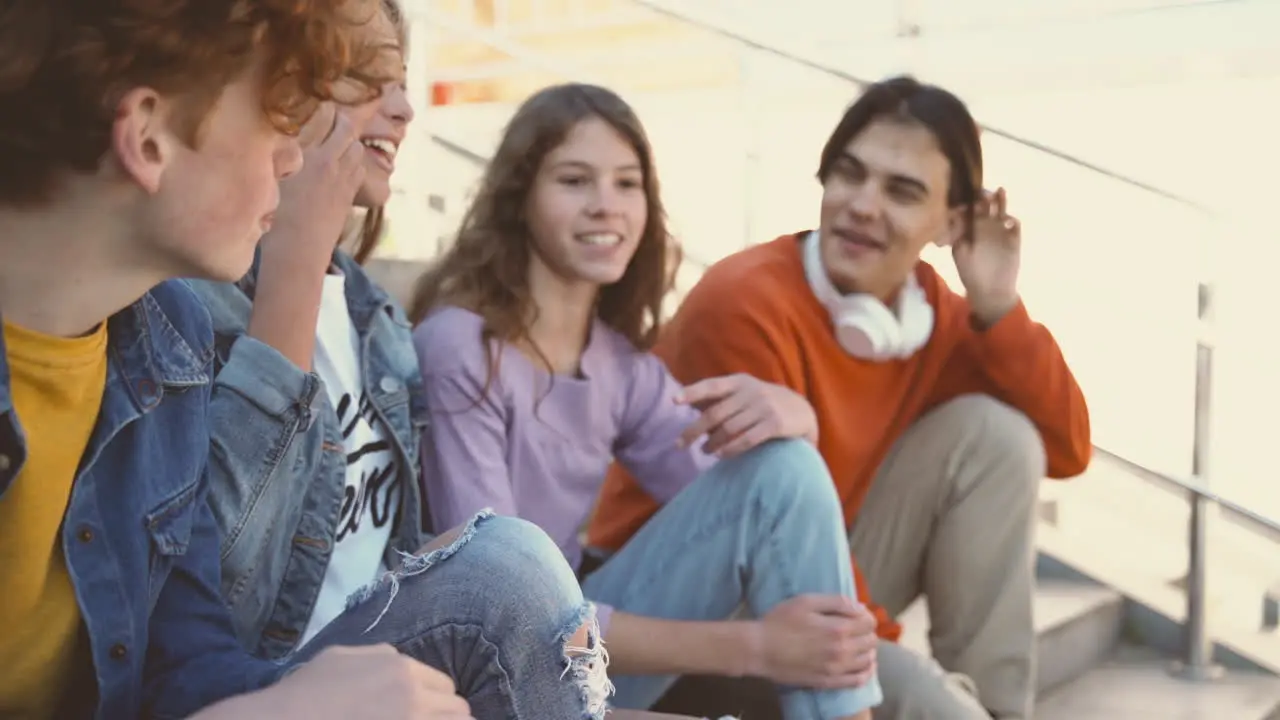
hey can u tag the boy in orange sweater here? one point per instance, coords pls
(939, 413)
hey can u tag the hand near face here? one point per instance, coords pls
(988, 262)
(740, 412)
(316, 202)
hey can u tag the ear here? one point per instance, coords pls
(141, 139)
(957, 226)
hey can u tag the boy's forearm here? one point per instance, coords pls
(286, 304)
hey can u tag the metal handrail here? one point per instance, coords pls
(1259, 523)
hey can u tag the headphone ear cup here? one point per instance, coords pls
(867, 329)
(855, 340)
(885, 322)
(917, 320)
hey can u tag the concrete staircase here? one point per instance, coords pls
(1134, 684)
(1092, 666)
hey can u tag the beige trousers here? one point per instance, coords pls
(951, 515)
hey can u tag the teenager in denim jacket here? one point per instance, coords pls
(315, 421)
(143, 141)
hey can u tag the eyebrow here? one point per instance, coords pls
(583, 165)
(897, 178)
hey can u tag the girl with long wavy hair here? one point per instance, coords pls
(533, 344)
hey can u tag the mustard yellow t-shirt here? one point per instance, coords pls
(57, 385)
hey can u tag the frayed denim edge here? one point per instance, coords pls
(588, 666)
(411, 565)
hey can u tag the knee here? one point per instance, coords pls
(1003, 434)
(787, 473)
(517, 553)
(486, 557)
(513, 579)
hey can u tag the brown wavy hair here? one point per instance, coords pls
(64, 65)
(375, 219)
(486, 268)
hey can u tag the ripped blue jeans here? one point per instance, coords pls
(497, 611)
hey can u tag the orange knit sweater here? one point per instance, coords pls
(753, 312)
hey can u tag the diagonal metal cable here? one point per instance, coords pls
(794, 58)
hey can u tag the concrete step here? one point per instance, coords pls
(1135, 684)
(1078, 625)
(1136, 551)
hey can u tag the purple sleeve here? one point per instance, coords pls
(464, 447)
(651, 426)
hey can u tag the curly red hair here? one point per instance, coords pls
(64, 64)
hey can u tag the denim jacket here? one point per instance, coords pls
(277, 466)
(140, 541)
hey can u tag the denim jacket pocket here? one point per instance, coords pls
(169, 526)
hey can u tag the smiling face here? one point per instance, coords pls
(883, 201)
(386, 119)
(587, 208)
(383, 133)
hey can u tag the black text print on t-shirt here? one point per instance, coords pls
(373, 496)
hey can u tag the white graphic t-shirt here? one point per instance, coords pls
(371, 497)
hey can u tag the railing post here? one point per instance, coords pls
(1197, 662)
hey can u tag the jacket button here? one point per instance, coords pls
(389, 384)
(5, 462)
(84, 534)
(118, 651)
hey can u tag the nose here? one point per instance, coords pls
(605, 199)
(396, 106)
(865, 202)
(288, 157)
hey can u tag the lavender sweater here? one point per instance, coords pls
(538, 446)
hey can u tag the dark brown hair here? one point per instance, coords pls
(64, 64)
(943, 114)
(486, 268)
(375, 219)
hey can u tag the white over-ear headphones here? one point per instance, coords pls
(866, 327)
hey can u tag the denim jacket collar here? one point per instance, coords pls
(146, 354)
(149, 348)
